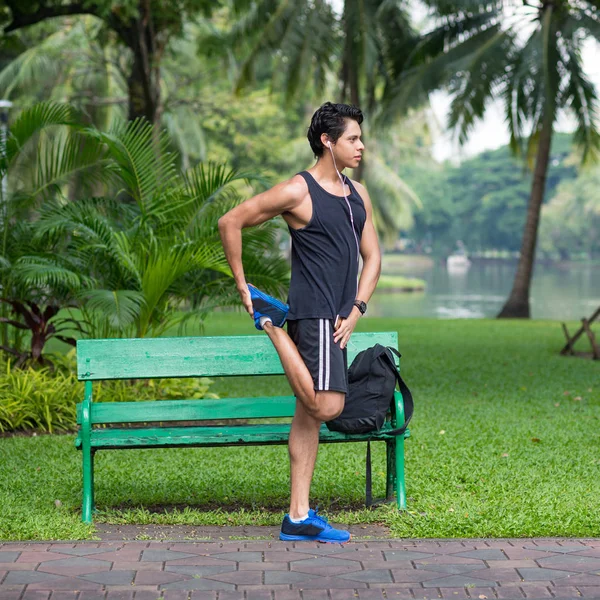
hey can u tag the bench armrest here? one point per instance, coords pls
(398, 410)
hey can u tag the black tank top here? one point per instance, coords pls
(325, 255)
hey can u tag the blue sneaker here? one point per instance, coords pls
(313, 529)
(267, 306)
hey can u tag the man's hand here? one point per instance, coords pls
(345, 327)
(246, 300)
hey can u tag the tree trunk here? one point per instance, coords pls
(143, 83)
(517, 305)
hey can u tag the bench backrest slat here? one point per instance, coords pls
(147, 358)
(190, 410)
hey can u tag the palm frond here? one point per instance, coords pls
(144, 163)
(34, 119)
(121, 308)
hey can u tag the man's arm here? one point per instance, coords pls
(283, 197)
(369, 250)
(369, 276)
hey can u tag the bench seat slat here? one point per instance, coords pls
(190, 410)
(273, 433)
(147, 358)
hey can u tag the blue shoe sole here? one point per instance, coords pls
(256, 294)
(307, 538)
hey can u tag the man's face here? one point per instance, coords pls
(349, 148)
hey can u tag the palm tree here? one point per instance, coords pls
(308, 49)
(136, 254)
(529, 55)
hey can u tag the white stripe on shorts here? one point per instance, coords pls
(320, 354)
(327, 336)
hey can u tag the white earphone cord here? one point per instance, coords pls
(347, 202)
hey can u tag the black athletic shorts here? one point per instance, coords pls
(326, 361)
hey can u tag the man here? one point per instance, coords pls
(330, 222)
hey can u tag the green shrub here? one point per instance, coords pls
(46, 399)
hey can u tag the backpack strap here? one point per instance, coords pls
(406, 393)
(368, 478)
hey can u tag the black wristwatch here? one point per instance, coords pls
(362, 306)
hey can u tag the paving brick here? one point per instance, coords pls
(372, 594)
(577, 580)
(26, 577)
(509, 593)
(458, 581)
(535, 591)
(64, 595)
(8, 556)
(287, 595)
(522, 554)
(452, 569)
(278, 556)
(455, 593)
(181, 595)
(487, 554)
(136, 566)
(328, 571)
(477, 592)
(199, 560)
(92, 595)
(119, 595)
(258, 595)
(449, 559)
(557, 547)
(82, 551)
(329, 583)
(198, 584)
(199, 571)
(71, 571)
(286, 577)
(319, 594)
(372, 576)
(65, 584)
(110, 577)
(146, 595)
(541, 574)
(239, 556)
(570, 561)
(413, 576)
(589, 591)
(263, 566)
(7, 594)
(38, 557)
(36, 595)
(345, 594)
(164, 555)
(156, 577)
(4, 567)
(396, 555)
(221, 595)
(239, 577)
(119, 555)
(511, 564)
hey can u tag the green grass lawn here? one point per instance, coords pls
(505, 442)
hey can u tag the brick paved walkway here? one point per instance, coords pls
(415, 569)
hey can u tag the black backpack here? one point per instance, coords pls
(372, 378)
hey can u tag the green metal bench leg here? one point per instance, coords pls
(400, 484)
(88, 485)
(88, 456)
(390, 471)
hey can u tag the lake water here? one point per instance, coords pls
(558, 292)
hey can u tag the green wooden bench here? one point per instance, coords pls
(202, 357)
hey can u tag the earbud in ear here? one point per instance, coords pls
(329, 144)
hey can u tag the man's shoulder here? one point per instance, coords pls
(295, 188)
(359, 186)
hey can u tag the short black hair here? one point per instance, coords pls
(330, 119)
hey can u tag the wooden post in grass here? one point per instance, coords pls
(585, 328)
